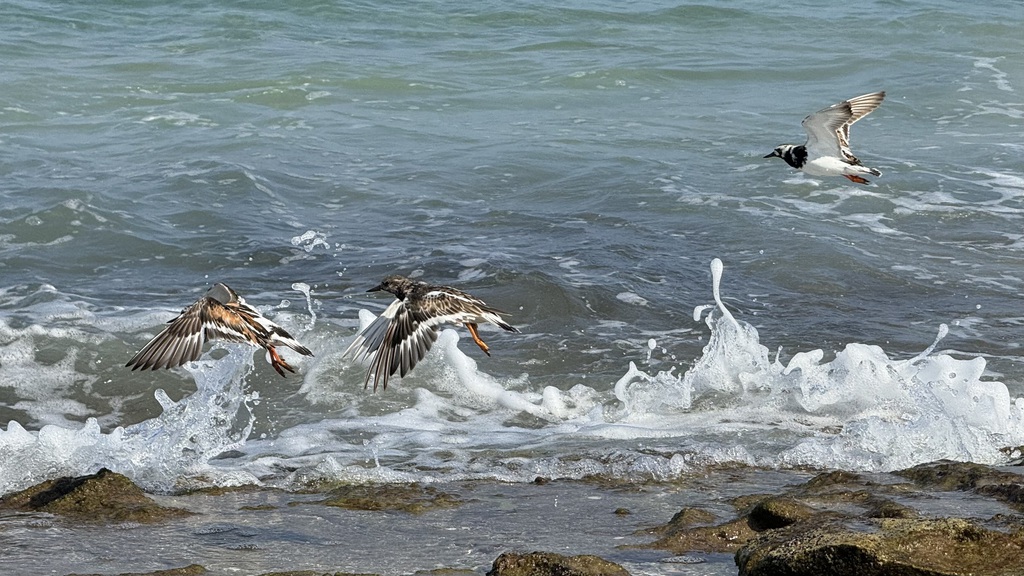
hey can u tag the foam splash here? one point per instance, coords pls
(735, 404)
(161, 454)
(890, 414)
(308, 293)
(450, 420)
(311, 239)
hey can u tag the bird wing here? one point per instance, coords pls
(397, 339)
(183, 338)
(860, 107)
(822, 129)
(458, 307)
(405, 331)
(270, 334)
(828, 130)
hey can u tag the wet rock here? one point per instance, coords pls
(1012, 494)
(314, 573)
(840, 523)
(826, 479)
(550, 564)
(727, 537)
(411, 498)
(104, 497)
(685, 518)
(958, 475)
(191, 570)
(985, 480)
(882, 508)
(777, 513)
(891, 546)
(1015, 454)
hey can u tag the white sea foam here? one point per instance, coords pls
(160, 454)
(451, 419)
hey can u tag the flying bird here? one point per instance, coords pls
(220, 314)
(827, 150)
(403, 334)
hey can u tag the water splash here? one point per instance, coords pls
(162, 454)
(451, 420)
(307, 292)
(311, 239)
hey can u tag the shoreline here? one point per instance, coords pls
(724, 521)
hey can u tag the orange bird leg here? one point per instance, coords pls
(476, 338)
(278, 363)
(856, 179)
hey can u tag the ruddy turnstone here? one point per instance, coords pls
(401, 336)
(222, 314)
(827, 150)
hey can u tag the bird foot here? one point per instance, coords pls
(278, 363)
(476, 338)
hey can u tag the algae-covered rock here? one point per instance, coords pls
(947, 475)
(445, 572)
(313, 573)
(685, 518)
(411, 498)
(688, 531)
(726, 537)
(104, 497)
(191, 570)
(985, 480)
(882, 508)
(903, 547)
(777, 513)
(836, 477)
(549, 564)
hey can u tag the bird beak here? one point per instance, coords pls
(376, 288)
(773, 154)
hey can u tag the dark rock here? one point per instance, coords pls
(778, 512)
(682, 534)
(985, 480)
(1012, 494)
(685, 518)
(727, 537)
(550, 564)
(313, 573)
(831, 479)
(882, 508)
(841, 503)
(191, 570)
(411, 498)
(105, 497)
(744, 504)
(892, 546)
(957, 475)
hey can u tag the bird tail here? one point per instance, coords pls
(505, 325)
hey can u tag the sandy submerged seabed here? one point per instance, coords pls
(693, 525)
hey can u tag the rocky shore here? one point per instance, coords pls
(836, 523)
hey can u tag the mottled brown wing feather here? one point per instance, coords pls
(184, 337)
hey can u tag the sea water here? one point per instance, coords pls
(589, 168)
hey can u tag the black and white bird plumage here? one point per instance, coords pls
(827, 150)
(403, 334)
(220, 314)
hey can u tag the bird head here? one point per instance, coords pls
(395, 284)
